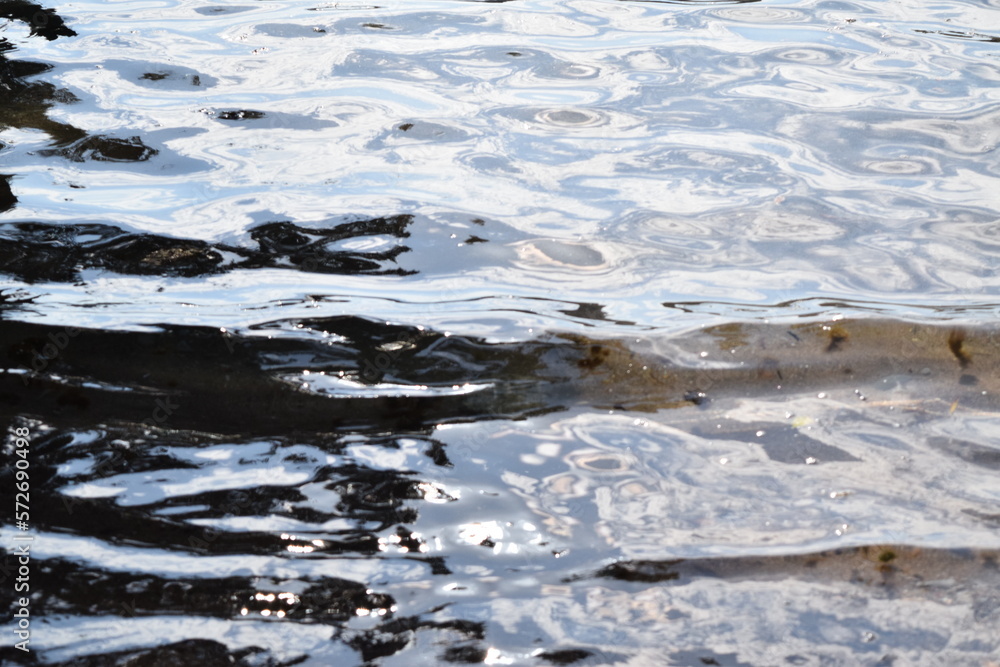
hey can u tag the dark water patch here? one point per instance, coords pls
(36, 252)
(205, 652)
(19, 69)
(27, 103)
(191, 377)
(42, 253)
(308, 248)
(396, 635)
(577, 656)
(82, 589)
(43, 21)
(138, 376)
(7, 198)
(101, 148)
(10, 299)
(783, 443)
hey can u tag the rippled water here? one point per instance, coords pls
(577, 332)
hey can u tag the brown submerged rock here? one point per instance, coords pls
(945, 362)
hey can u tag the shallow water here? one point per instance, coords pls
(578, 332)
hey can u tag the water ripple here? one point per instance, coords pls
(463, 316)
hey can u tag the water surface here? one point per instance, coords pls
(533, 333)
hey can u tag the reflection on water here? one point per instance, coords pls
(26, 103)
(571, 333)
(202, 473)
(36, 252)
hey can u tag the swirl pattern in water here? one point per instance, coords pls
(581, 332)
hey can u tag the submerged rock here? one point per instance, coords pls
(379, 376)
